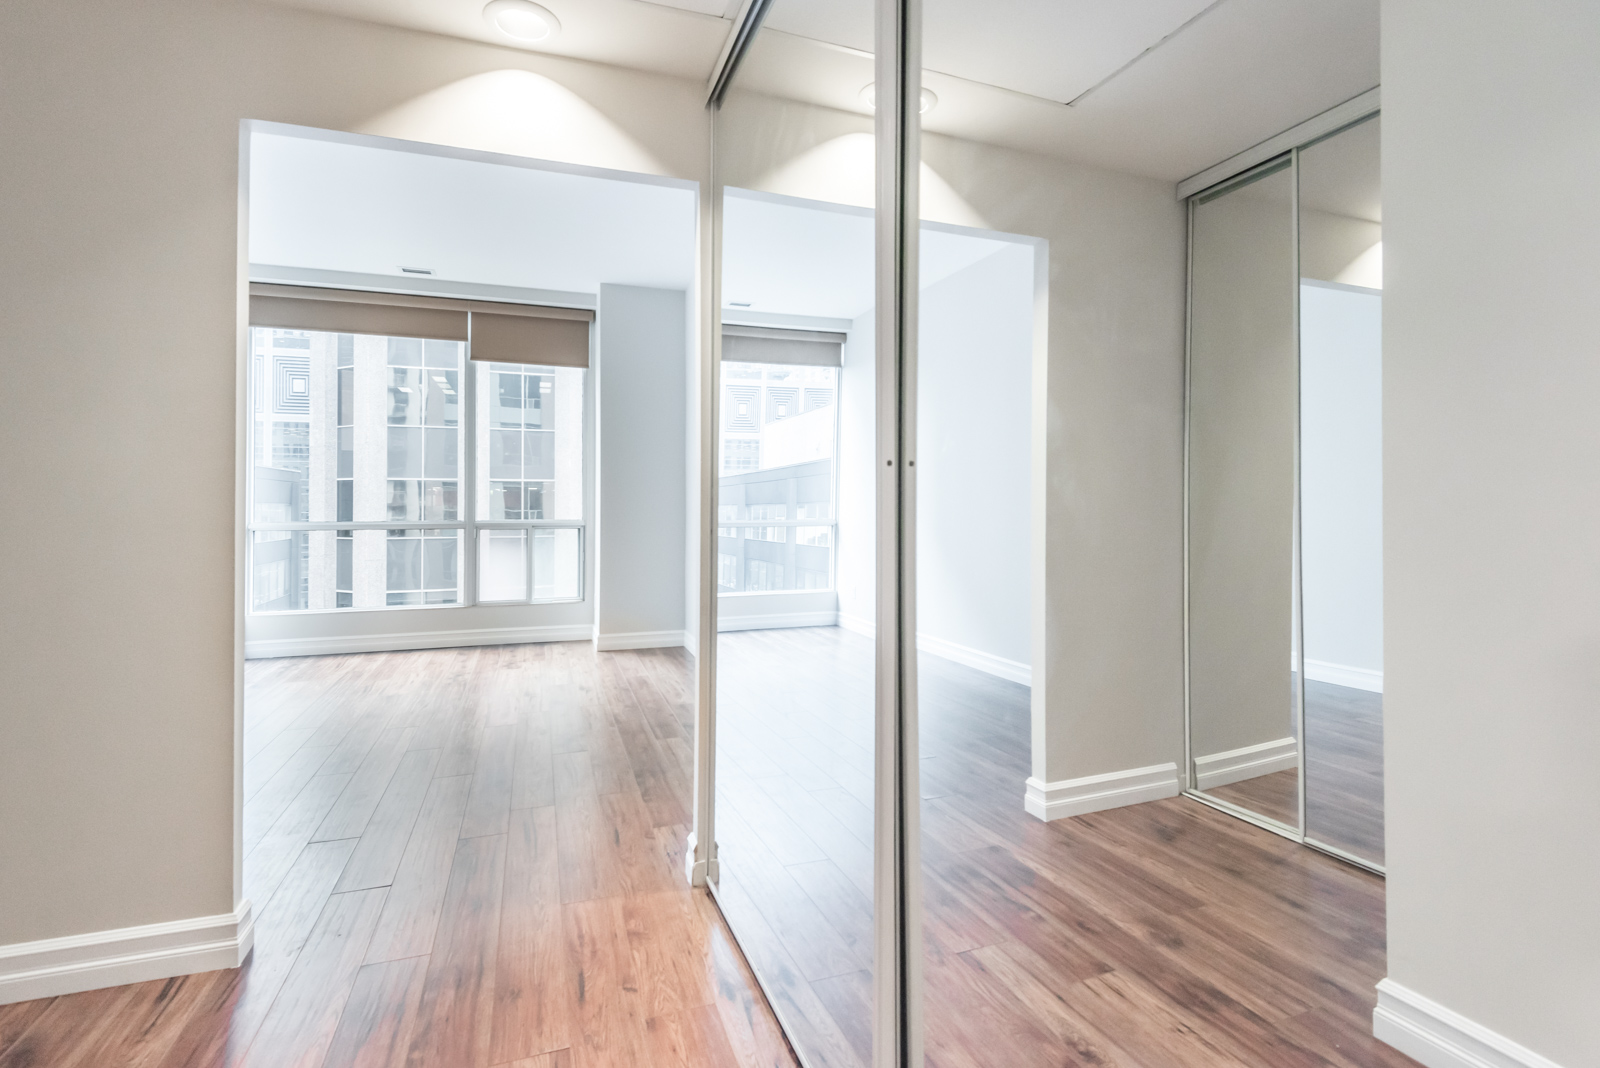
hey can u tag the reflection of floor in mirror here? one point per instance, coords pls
(1275, 796)
(1344, 773)
(1166, 933)
(1344, 768)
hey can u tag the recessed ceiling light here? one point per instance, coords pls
(869, 93)
(522, 19)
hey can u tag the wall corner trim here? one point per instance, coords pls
(1093, 793)
(643, 639)
(1436, 1036)
(75, 963)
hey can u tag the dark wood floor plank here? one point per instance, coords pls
(17, 1018)
(283, 923)
(387, 833)
(279, 792)
(608, 1009)
(267, 864)
(533, 993)
(374, 1030)
(370, 778)
(489, 803)
(416, 898)
(455, 1018)
(300, 1025)
(69, 1029)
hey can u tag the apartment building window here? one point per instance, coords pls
(779, 433)
(390, 471)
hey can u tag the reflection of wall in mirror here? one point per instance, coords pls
(1241, 482)
(1341, 432)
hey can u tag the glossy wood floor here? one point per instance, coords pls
(458, 859)
(1344, 773)
(1163, 935)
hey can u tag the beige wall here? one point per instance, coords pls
(1244, 395)
(1112, 651)
(119, 332)
(1492, 513)
(1108, 665)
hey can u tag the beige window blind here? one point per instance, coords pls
(766, 344)
(523, 333)
(499, 332)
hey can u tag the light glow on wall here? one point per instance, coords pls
(519, 113)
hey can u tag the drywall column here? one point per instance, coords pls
(1491, 353)
(641, 518)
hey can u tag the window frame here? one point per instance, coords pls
(467, 523)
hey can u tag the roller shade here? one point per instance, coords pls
(500, 332)
(511, 333)
(342, 311)
(767, 344)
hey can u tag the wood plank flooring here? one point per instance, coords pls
(472, 858)
(1164, 934)
(458, 859)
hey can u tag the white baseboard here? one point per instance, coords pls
(1093, 793)
(777, 621)
(1264, 758)
(642, 639)
(69, 965)
(1344, 675)
(858, 625)
(1013, 670)
(1426, 1031)
(263, 648)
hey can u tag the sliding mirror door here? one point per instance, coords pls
(796, 536)
(1341, 476)
(1243, 575)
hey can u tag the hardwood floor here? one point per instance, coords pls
(1344, 773)
(1164, 934)
(458, 858)
(472, 858)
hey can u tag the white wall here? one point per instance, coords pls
(1492, 518)
(643, 438)
(974, 422)
(1341, 483)
(120, 620)
(858, 450)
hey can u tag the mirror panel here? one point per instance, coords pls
(1243, 385)
(796, 605)
(1341, 401)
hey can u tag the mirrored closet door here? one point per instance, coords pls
(1284, 495)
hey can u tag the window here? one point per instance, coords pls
(363, 449)
(776, 510)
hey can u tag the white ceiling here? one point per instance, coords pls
(1163, 88)
(330, 206)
